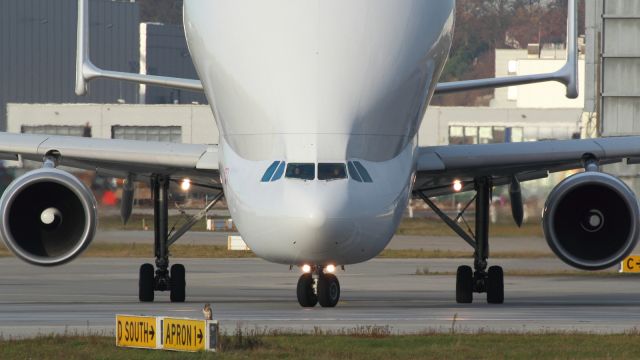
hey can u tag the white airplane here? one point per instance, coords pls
(318, 104)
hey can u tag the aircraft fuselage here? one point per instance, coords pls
(318, 103)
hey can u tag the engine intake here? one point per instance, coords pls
(48, 217)
(590, 220)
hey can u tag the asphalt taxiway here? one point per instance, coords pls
(85, 295)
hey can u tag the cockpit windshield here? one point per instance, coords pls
(332, 171)
(301, 171)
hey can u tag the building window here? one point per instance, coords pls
(456, 135)
(470, 135)
(485, 135)
(467, 135)
(60, 130)
(515, 134)
(147, 133)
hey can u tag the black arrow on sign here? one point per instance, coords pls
(199, 336)
(152, 332)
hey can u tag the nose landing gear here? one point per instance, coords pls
(318, 287)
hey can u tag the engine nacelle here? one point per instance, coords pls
(591, 220)
(48, 217)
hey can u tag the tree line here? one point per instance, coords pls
(485, 25)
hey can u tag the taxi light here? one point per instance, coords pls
(185, 185)
(457, 185)
(306, 268)
(330, 268)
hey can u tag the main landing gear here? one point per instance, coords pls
(163, 278)
(478, 279)
(320, 287)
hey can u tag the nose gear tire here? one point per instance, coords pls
(328, 290)
(306, 295)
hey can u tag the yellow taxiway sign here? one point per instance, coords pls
(184, 334)
(136, 331)
(630, 265)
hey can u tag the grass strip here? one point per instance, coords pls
(135, 250)
(145, 221)
(451, 254)
(415, 226)
(425, 271)
(434, 227)
(101, 250)
(327, 346)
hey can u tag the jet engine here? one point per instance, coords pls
(590, 220)
(48, 217)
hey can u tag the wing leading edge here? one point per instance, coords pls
(438, 166)
(115, 157)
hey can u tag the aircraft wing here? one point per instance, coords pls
(119, 158)
(439, 166)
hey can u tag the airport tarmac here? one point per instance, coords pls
(85, 295)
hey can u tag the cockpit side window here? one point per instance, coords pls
(363, 172)
(279, 172)
(270, 170)
(353, 173)
(332, 171)
(301, 171)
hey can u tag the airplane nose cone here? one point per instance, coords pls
(316, 219)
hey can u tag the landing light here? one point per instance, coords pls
(330, 268)
(185, 185)
(306, 268)
(457, 185)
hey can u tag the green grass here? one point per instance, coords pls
(415, 226)
(609, 273)
(451, 254)
(134, 250)
(345, 346)
(102, 250)
(419, 226)
(139, 221)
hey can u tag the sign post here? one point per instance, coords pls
(136, 331)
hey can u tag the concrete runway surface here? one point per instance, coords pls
(86, 294)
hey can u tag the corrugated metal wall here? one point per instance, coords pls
(168, 55)
(620, 67)
(38, 44)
